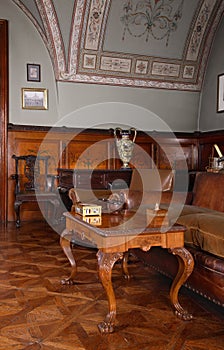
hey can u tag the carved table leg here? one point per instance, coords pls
(106, 262)
(186, 265)
(65, 242)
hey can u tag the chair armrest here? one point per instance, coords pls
(73, 196)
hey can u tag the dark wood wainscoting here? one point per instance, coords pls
(96, 149)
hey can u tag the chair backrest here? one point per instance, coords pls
(31, 173)
(152, 180)
(208, 191)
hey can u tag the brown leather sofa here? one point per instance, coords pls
(203, 216)
(201, 211)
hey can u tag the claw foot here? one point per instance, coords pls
(184, 315)
(67, 281)
(105, 327)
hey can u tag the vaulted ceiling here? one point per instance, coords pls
(140, 43)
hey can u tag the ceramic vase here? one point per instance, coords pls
(125, 143)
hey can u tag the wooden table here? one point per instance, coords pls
(113, 237)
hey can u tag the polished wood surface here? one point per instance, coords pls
(4, 101)
(113, 237)
(99, 179)
(37, 312)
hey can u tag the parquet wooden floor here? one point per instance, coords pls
(37, 312)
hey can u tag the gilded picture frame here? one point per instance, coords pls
(35, 98)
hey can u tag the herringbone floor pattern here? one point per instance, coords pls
(37, 312)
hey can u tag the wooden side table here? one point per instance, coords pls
(114, 237)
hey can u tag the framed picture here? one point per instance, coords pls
(220, 93)
(33, 72)
(34, 98)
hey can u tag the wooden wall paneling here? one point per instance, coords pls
(206, 147)
(168, 155)
(175, 158)
(168, 159)
(3, 117)
(191, 156)
(88, 155)
(206, 152)
(84, 149)
(143, 155)
(70, 149)
(189, 144)
(176, 152)
(114, 161)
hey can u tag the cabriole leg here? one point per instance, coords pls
(106, 262)
(65, 242)
(186, 265)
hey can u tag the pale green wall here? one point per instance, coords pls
(178, 109)
(209, 118)
(26, 46)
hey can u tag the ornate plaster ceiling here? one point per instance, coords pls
(140, 43)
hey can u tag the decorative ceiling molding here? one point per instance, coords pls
(88, 62)
(52, 28)
(51, 36)
(75, 38)
(199, 29)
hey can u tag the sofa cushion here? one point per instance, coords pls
(204, 231)
(177, 210)
(193, 209)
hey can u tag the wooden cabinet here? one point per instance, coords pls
(96, 179)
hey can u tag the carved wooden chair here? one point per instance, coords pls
(34, 184)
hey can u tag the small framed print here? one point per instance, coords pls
(33, 72)
(34, 98)
(220, 93)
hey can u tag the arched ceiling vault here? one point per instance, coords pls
(139, 43)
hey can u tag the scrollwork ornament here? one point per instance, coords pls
(151, 18)
(108, 260)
